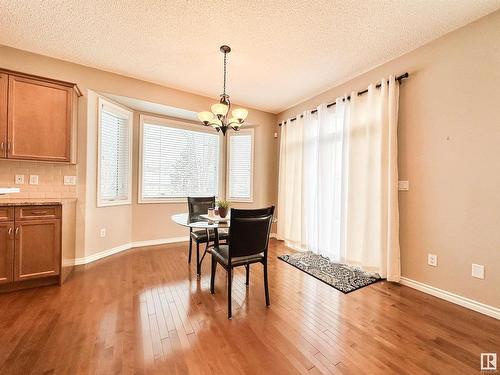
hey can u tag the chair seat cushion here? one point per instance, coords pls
(221, 253)
(201, 235)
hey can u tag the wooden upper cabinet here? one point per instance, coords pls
(4, 84)
(40, 116)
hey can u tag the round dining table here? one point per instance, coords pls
(198, 222)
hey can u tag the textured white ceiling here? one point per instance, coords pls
(283, 51)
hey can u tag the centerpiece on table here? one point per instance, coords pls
(223, 207)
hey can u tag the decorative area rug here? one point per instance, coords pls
(338, 275)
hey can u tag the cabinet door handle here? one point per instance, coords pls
(8, 145)
(2, 146)
(10, 232)
(17, 232)
(39, 212)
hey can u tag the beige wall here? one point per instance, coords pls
(116, 220)
(449, 142)
(135, 222)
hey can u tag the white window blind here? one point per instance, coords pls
(178, 162)
(114, 154)
(240, 165)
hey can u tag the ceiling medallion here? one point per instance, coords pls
(219, 118)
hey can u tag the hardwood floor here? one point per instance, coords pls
(144, 311)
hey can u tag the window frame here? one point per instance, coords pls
(232, 133)
(102, 102)
(180, 124)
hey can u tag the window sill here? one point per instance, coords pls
(162, 201)
(113, 203)
(240, 200)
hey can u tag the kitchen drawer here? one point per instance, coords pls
(38, 212)
(6, 213)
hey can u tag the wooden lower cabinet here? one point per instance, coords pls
(4, 84)
(6, 252)
(30, 249)
(37, 249)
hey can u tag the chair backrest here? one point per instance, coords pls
(200, 205)
(249, 231)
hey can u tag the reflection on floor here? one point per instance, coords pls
(144, 311)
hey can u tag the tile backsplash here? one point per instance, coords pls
(50, 179)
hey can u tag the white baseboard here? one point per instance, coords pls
(160, 241)
(127, 246)
(101, 254)
(482, 308)
(130, 245)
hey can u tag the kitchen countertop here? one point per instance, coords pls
(30, 203)
(12, 202)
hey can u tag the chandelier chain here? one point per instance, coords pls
(225, 63)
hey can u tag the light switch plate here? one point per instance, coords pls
(33, 179)
(478, 271)
(102, 232)
(69, 180)
(19, 179)
(404, 185)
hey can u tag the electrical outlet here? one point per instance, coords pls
(69, 180)
(478, 271)
(102, 232)
(33, 179)
(432, 260)
(403, 185)
(19, 179)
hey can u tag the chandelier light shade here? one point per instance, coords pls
(219, 117)
(240, 113)
(219, 109)
(205, 116)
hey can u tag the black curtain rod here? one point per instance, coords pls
(398, 78)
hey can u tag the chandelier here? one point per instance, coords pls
(219, 118)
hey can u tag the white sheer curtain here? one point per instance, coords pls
(338, 181)
(310, 185)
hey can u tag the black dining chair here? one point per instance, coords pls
(247, 243)
(198, 206)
